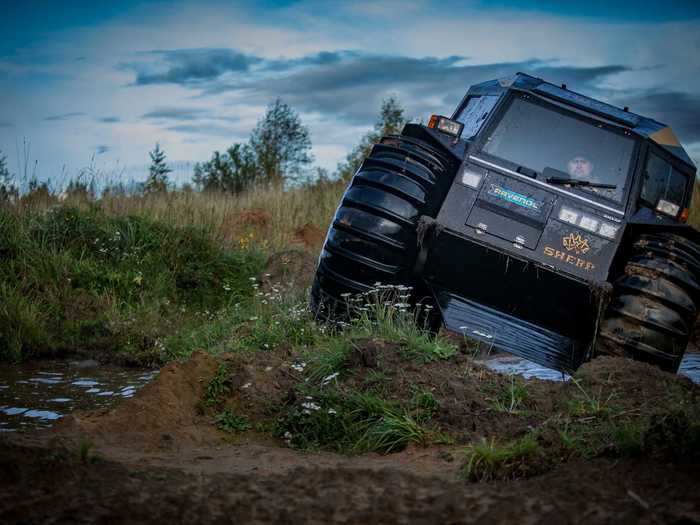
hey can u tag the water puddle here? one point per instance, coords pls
(510, 364)
(36, 395)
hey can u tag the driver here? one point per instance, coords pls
(580, 167)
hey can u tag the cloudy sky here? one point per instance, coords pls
(100, 82)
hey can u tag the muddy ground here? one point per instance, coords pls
(160, 456)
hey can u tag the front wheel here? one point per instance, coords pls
(373, 237)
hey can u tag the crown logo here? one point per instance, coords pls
(576, 243)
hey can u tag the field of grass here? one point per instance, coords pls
(142, 279)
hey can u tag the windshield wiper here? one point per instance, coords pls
(573, 182)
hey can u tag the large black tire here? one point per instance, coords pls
(652, 312)
(373, 237)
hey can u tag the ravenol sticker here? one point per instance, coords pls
(516, 198)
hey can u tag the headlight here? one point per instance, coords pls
(451, 127)
(668, 208)
(568, 215)
(588, 222)
(471, 178)
(608, 230)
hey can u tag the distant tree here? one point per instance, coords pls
(281, 145)
(391, 121)
(158, 172)
(8, 190)
(233, 171)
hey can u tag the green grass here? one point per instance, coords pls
(232, 423)
(350, 422)
(218, 386)
(489, 460)
(511, 399)
(78, 280)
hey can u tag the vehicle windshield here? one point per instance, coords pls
(535, 136)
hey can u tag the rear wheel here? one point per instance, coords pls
(652, 313)
(373, 237)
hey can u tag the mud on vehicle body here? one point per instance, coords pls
(538, 220)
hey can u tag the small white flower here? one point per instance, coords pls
(247, 385)
(310, 405)
(329, 378)
(299, 367)
(255, 318)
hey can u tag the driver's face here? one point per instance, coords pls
(580, 167)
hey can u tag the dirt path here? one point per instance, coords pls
(43, 486)
(158, 456)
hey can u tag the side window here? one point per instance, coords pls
(474, 114)
(664, 186)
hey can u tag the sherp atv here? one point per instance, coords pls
(546, 223)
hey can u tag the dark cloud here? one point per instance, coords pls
(109, 120)
(676, 109)
(190, 66)
(175, 113)
(354, 87)
(63, 116)
(101, 149)
(350, 85)
(214, 130)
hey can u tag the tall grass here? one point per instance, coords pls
(272, 215)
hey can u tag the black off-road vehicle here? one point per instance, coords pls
(544, 222)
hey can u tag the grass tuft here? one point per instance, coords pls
(489, 460)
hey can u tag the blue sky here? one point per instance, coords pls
(99, 83)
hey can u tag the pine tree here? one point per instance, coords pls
(158, 172)
(8, 191)
(391, 121)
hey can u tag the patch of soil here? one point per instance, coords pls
(164, 414)
(467, 393)
(260, 383)
(288, 269)
(310, 236)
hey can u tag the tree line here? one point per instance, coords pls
(277, 154)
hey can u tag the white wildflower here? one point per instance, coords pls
(247, 385)
(299, 367)
(329, 378)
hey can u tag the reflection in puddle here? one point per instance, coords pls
(35, 395)
(510, 364)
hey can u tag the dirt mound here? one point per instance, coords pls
(161, 415)
(253, 217)
(467, 394)
(632, 384)
(310, 236)
(288, 269)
